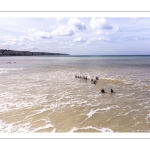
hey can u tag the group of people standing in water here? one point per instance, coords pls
(103, 91)
(94, 81)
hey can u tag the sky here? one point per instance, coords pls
(77, 36)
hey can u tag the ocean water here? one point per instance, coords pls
(41, 94)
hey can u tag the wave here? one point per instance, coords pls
(1, 72)
(103, 130)
(7, 69)
(112, 79)
(11, 128)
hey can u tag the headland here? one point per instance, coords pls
(5, 52)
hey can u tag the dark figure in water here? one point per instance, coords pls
(111, 91)
(102, 91)
(94, 82)
(96, 78)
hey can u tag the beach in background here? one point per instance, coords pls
(41, 94)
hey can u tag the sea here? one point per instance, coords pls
(42, 94)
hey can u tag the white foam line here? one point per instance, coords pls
(148, 116)
(147, 107)
(120, 97)
(38, 112)
(60, 98)
(129, 112)
(90, 114)
(74, 129)
(111, 118)
(54, 130)
(136, 124)
(130, 94)
(103, 130)
(112, 79)
(145, 103)
(120, 94)
(9, 128)
(42, 110)
(3, 72)
(107, 108)
(79, 102)
(5, 69)
(43, 127)
(24, 127)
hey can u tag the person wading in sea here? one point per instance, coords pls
(102, 91)
(111, 90)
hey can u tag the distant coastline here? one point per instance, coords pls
(5, 52)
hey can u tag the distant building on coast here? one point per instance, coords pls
(5, 52)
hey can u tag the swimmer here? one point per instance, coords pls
(102, 91)
(111, 90)
(94, 82)
(96, 78)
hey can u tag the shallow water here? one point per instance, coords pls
(41, 94)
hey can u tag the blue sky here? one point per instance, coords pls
(77, 36)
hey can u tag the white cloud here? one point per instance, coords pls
(46, 36)
(69, 29)
(116, 28)
(79, 39)
(51, 27)
(103, 32)
(38, 34)
(32, 48)
(16, 39)
(59, 19)
(106, 32)
(63, 47)
(62, 31)
(101, 23)
(100, 32)
(76, 24)
(100, 39)
(71, 44)
(21, 44)
(12, 41)
(32, 30)
(24, 38)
